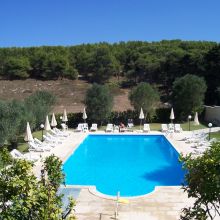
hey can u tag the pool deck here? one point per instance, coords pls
(165, 203)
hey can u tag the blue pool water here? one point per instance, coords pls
(131, 164)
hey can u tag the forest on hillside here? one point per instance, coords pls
(158, 63)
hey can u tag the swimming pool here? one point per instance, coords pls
(131, 164)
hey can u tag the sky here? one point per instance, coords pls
(25, 23)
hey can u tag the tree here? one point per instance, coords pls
(188, 95)
(99, 102)
(203, 178)
(212, 76)
(102, 64)
(37, 106)
(12, 121)
(146, 97)
(17, 67)
(23, 196)
(15, 114)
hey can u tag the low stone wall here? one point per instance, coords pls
(212, 114)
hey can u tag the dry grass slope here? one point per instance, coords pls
(70, 93)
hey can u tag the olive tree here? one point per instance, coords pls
(37, 106)
(188, 95)
(99, 103)
(146, 97)
(12, 121)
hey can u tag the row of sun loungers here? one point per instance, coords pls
(83, 127)
(50, 141)
(171, 128)
(199, 142)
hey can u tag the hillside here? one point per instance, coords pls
(70, 93)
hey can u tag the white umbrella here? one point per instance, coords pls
(28, 136)
(196, 119)
(47, 124)
(141, 116)
(84, 114)
(172, 117)
(64, 118)
(53, 121)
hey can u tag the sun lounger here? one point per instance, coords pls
(79, 127)
(56, 138)
(94, 127)
(146, 128)
(171, 127)
(177, 128)
(18, 155)
(37, 141)
(164, 128)
(37, 148)
(85, 127)
(109, 128)
(58, 134)
(64, 126)
(130, 125)
(116, 128)
(51, 140)
(64, 133)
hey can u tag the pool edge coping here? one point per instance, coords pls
(92, 188)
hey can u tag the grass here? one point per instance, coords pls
(215, 135)
(23, 146)
(185, 126)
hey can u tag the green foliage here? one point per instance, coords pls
(146, 97)
(99, 102)
(11, 121)
(23, 196)
(188, 95)
(212, 76)
(17, 67)
(37, 106)
(134, 61)
(203, 180)
(51, 165)
(15, 114)
(102, 64)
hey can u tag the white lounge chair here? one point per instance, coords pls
(57, 134)
(51, 140)
(37, 141)
(171, 127)
(56, 138)
(146, 128)
(18, 155)
(37, 148)
(64, 126)
(94, 127)
(85, 127)
(164, 128)
(177, 128)
(79, 127)
(116, 128)
(130, 125)
(109, 128)
(64, 133)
